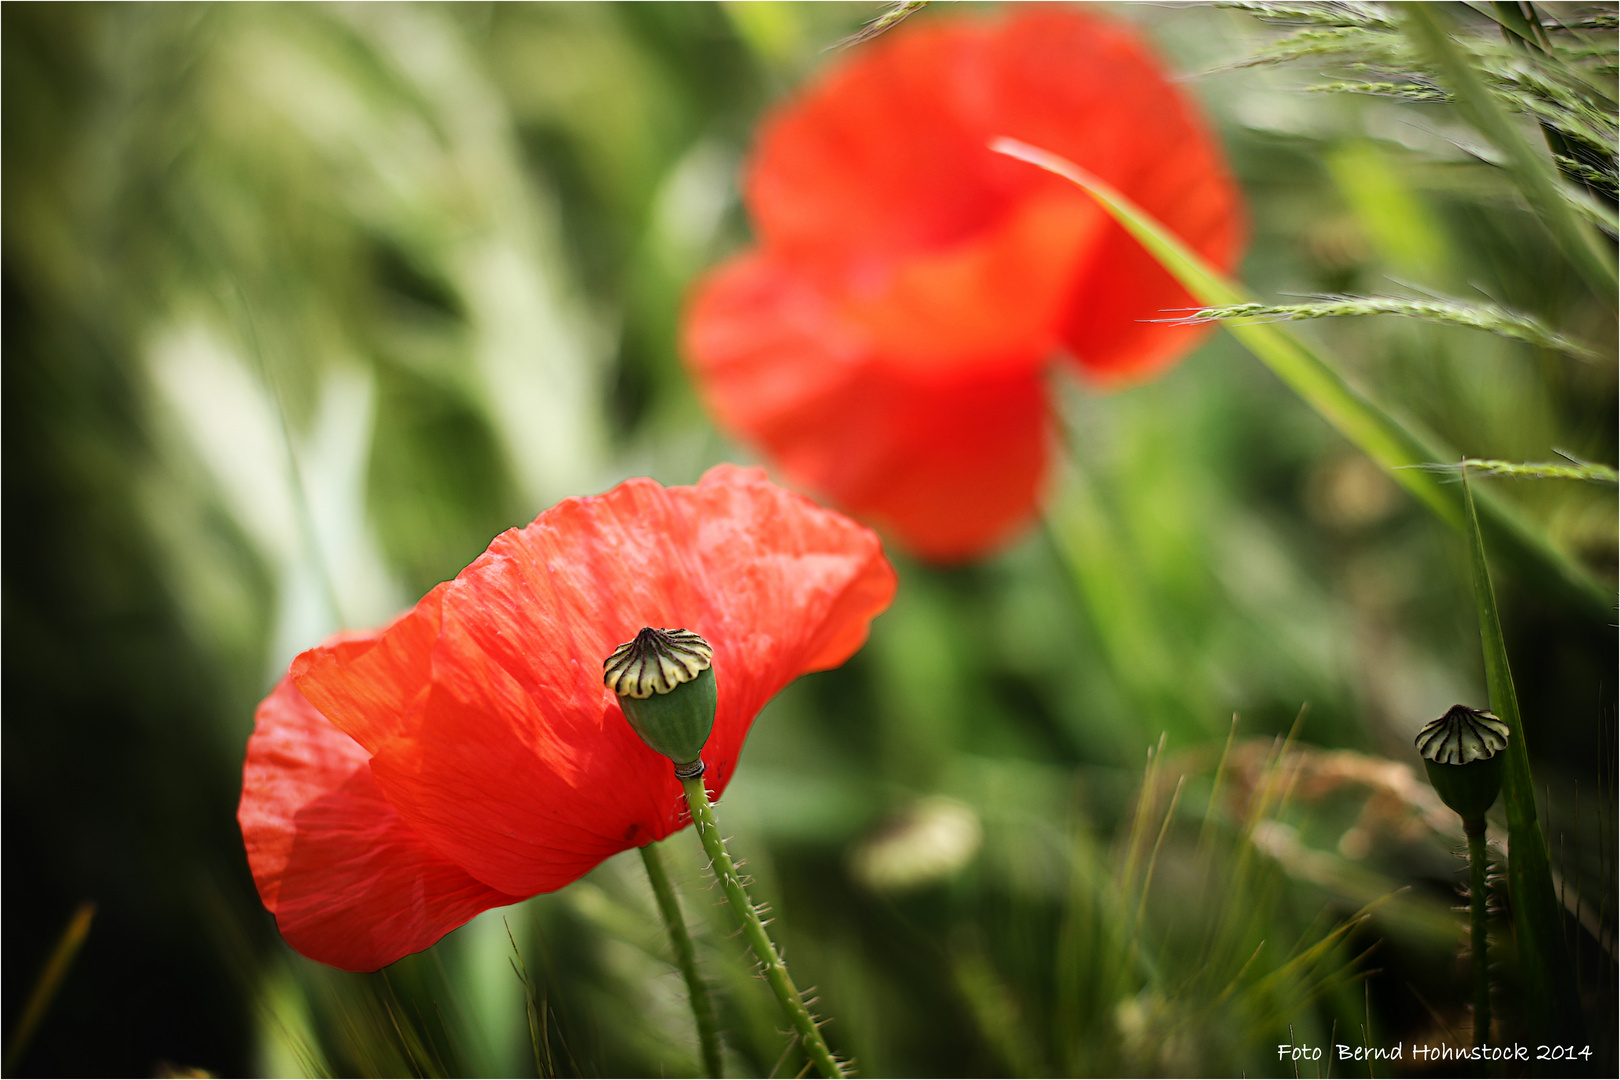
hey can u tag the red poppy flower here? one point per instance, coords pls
(885, 342)
(467, 756)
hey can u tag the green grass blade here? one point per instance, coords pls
(1550, 997)
(1364, 423)
(50, 980)
(534, 1010)
(1537, 177)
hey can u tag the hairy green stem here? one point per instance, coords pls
(708, 1027)
(776, 972)
(1477, 865)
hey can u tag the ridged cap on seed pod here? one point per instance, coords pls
(665, 683)
(1462, 752)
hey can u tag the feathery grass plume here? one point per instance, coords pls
(1550, 71)
(1601, 20)
(888, 20)
(1531, 84)
(1556, 100)
(1573, 167)
(1523, 28)
(1406, 91)
(1496, 320)
(1364, 47)
(1530, 470)
(1594, 213)
(1455, 54)
(1348, 14)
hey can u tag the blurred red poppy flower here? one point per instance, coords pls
(885, 341)
(399, 782)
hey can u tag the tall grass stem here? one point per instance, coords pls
(50, 980)
(680, 941)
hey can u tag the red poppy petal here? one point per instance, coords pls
(951, 463)
(389, 670)
(349, 882)
(978, 304)
(1144, 136)
(874, 157)
(1147, 139)
(879, 180)
(1124, 278)
(510, 757)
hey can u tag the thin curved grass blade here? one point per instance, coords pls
(1378, 434)
(50, 980)
(1550, 997)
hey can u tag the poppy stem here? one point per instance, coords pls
(697, 990)
(776, 972)
(1477, 866)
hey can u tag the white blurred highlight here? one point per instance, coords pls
(298, 497)
(933, 839)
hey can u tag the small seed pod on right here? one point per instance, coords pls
(1462, 752)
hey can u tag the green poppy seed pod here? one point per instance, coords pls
(1462, 753)
(665, 683)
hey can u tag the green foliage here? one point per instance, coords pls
(303, 304)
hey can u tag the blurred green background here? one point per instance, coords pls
(304, 303)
